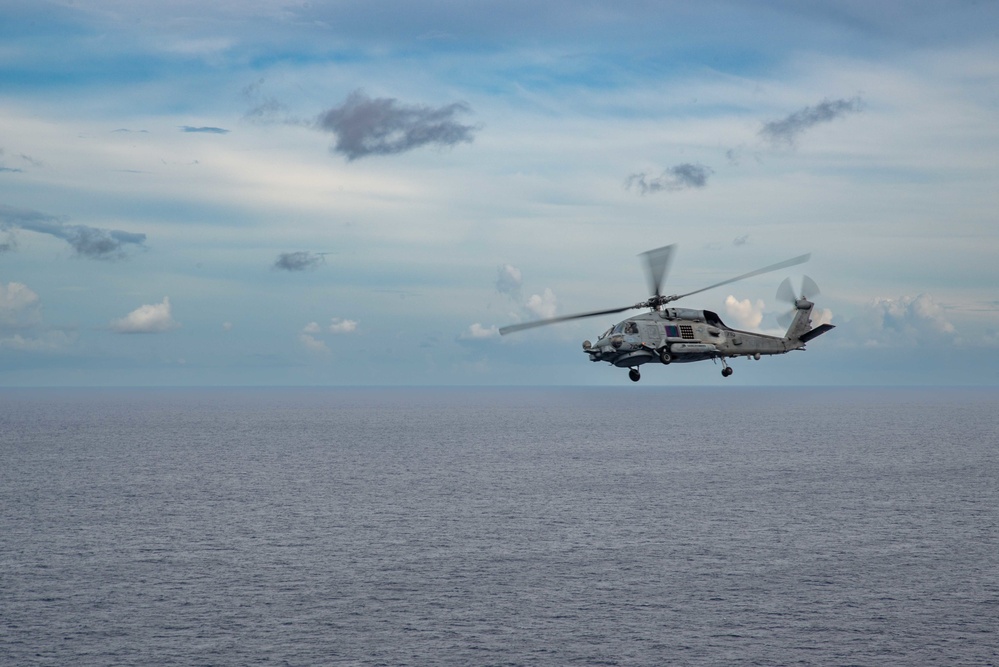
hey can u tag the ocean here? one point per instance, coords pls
(510, 526)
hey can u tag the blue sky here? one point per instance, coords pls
(346, 193)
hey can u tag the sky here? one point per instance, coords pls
(251, 192)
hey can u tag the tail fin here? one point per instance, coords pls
(801, 326)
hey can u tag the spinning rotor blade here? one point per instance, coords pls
(809, 289)
(657, 263)
(564, 318)
(767, 269)
(785, 293)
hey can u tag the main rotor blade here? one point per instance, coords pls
(564, 318)
(801, 259)
(657, 263)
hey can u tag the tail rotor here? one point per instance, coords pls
(809, 290)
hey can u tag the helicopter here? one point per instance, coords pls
(684, 335)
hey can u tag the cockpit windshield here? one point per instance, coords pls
(625, 328)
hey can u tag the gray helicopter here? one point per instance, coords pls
(684, 335)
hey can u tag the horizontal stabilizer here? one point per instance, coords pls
(817, 331)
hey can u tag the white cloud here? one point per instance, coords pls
(313, 344)
(821, 316)
(479, 332)
(21, 325)
(543, 305)
(509, 280)
(340, 326)
(311, 328)
(745, 314)
(152, 318)
(19, 307)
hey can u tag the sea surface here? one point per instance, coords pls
(600, 526)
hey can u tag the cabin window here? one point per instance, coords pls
(631, 328)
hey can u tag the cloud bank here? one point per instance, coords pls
(383, 126)
(904, 321)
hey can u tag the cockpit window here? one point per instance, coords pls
(619, 328)
(607, 333)
(631, 328)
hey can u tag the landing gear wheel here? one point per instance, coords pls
(665, 356)
(726, 371)
(634, 375)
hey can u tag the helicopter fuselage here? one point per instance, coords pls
(681, 335)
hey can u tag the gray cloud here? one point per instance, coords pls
(382, 126)
(786, 130)
(740, 240)
(205, 130)
(91, 242)
(298, 261)
(681, 177)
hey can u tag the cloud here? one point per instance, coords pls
(310, 332)
(92, 242)
(204, 130)
(786, 130)
(154, 318)
(905, 321)
(382, 126)
(51, 340)
(19, 307)
(313, 344)
(21, 325)
(298, 261)
(745, 314)
(340, 326)
(740, 240)
(543, 305)
(479, 332)
(509, 280)
(681, 177)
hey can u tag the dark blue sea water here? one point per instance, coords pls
(612, 526)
